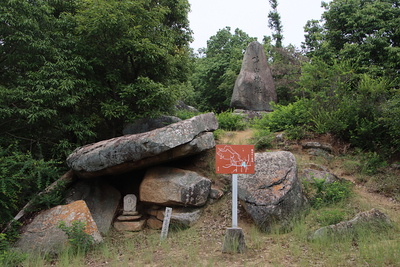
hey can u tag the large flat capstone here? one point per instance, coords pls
(130, 152)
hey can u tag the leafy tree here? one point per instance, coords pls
(346, 104)
(353, 75)
(275, 24)
(364, 32)
(216, 72)
(286, 63)
(72, 72)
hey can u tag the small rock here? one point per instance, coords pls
(154, 223)
(309, 175)
(216, 193)
(131, 226)
(323, 146)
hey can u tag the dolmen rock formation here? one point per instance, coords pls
(104, 173)
(254, 88)
(273, 195)
(136, 151)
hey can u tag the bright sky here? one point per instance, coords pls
(209, 16)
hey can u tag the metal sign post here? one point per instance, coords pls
(234, 200)
(234, 159)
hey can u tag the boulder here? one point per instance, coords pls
(273, 194)
(130, 152)
(372, 220)
(148, 124)
(101, 198)
(173, 186)
(309, 175)
(254, 88)
(180, 105)
(42, 233)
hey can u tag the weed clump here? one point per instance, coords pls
(79, 240)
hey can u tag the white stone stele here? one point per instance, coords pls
(167, 218)
(130, 201)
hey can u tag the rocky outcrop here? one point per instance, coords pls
(254, 88)
(173, 186)
(310, 174)
(273, 194)
(318, 149)
(130, 152)
(372, 220)
(101, 198)
(43, 234)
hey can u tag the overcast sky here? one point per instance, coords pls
(251, 16)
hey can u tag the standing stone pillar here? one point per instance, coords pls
(254, 88)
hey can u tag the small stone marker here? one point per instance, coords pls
(167, 218)
(130, 201)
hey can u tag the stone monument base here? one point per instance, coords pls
(234, 241)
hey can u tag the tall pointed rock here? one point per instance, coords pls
(254, 88)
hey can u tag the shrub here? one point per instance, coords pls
(320, 193)
(231, 122)
(295, 132)
(218, 133)
(185, 114)
(9, 257)
(79, 240)
(262, 139)
(283, 117)
(372, 162)
(21, 177)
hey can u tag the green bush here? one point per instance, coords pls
(372, 162)
(218, 134)
(231, 122)
(79, 240)
(21, 178)
(185, 114)
(262, 138)
(296, 132)
(283, 117)
(320, 193)
(9, 257)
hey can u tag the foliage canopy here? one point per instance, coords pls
(72, 72)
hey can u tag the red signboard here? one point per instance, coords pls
(234, 159)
